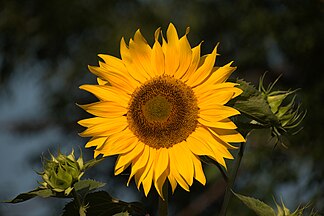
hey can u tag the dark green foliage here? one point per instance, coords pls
(82, 186)
(101, 203)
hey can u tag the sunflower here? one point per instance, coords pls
(160, 108)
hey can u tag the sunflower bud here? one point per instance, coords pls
(276, 110)
(283, 106)
(61, 172)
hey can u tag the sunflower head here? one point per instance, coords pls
(161, 107)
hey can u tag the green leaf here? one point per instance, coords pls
(88, 184)
(101, 203)
(259, 207)
(31, 194)
(44, 193)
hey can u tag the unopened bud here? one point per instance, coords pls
(61, 172)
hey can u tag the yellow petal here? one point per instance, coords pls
(150, 164)
(220, 74)
(199, 147)
(218, 97)
(194, 63)
(107, 109)
(198, 143)
(203, 88)
(172, 51)
(160, 182)
(118, 125)
(172, 35)
(141, 54)
(124, 52)
(224, 124)
(204, 70)
(121, 169)
(158, 58)
(124, 160)
(96, 153)
(96, 141)
(199, 173)
(214, 109)
(131, 66)
(185, 164)
(172, 181)
(107, 93)
(184, 58)
(114, 64)
(174, 169)
(147, 182)
(161, 164)
(223, 73)
(220, 151)
(120, 146)
(221, 141)
(207, 85)
(116, 79)
(213, 91)
(123, 134)
(137, 176)
(209, 115)
(228, 135)
(145, 174)
(93, 121)
(140, 162)
(101, 81)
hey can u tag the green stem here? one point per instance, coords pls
(163, 204)
(76, 198)
(230, 184)
(81, 208)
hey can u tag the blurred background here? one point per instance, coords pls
(45, 47)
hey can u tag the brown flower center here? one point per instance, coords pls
(162, 112)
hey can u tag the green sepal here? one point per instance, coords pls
(101, 203)
(283, 110)
(276, 98)
(259, 207)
